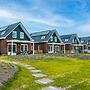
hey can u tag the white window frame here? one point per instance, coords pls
(55, 39)
(43, 37)
(14, 34)
(24, 47)
(21, 35)
(82, 41)
(51, 38)
(66, 40)
(11, 47)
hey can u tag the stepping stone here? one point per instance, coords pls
(27, 65)
(51, 88)
(39, 75)
(44, 81)
(30, 68)
(35, 71)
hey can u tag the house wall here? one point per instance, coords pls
(3, 46)
(43, 47)
(18, 29)
(54, 35)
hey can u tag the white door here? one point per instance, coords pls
(50, 49)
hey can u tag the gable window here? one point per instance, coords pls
(66, 40)
(89, 42)
(82, 41)
(14, 34)
(51, 38)
(55, 39)
(43, 37)
(21, 35)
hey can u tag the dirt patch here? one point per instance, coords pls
(28, 57)
(80, 56)
(6, 72)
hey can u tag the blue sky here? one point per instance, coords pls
(67, 16)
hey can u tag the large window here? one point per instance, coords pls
(24, 47)
(10, 48)
(22, 35)
(14, 34)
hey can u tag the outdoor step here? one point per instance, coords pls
(31, 68)
(39, 75)
(51, 88)
(35, 71)
(44, 81)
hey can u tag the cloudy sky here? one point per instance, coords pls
(67, 16)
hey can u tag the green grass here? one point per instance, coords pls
(64, 72)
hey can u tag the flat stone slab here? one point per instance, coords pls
(35, 71)
(51, 88)
(27, 65)
(39, 75)
(30, 68)
(44, 81)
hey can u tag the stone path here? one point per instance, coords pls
(37, 74)
(44, 81)
(51, 88)
(35, 71)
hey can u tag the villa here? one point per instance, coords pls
(72, 43)
(85, 41)
(14, 39)
(47, 42)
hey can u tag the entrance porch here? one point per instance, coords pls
(19, 47)
(56, 48)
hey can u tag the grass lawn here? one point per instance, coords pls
(73, 74)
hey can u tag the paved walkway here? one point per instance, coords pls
(40, 77)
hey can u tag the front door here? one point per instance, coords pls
(24, 47)
(50, 49)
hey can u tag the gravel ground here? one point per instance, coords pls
(6, 72)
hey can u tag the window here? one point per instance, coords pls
(66, 40)
(82, 41)
(10, 48)
(21, 35)
(14, 34)
(55, 39)
(43, 37)
(51, 38)
(89, 42)
(24, 47)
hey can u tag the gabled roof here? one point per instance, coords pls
(84, 40)
(37, 36)
(69, 38)
(6, 30)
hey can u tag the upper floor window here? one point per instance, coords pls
(89, 42)
(14, 34)
(43, 37)
(55, 39)
(66, 40)
(51, 38)
(82, 41)
(22, 35)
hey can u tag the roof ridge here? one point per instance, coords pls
(69, 34)
(43, 31)
(10, 24)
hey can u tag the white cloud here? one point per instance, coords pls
(84, 27)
